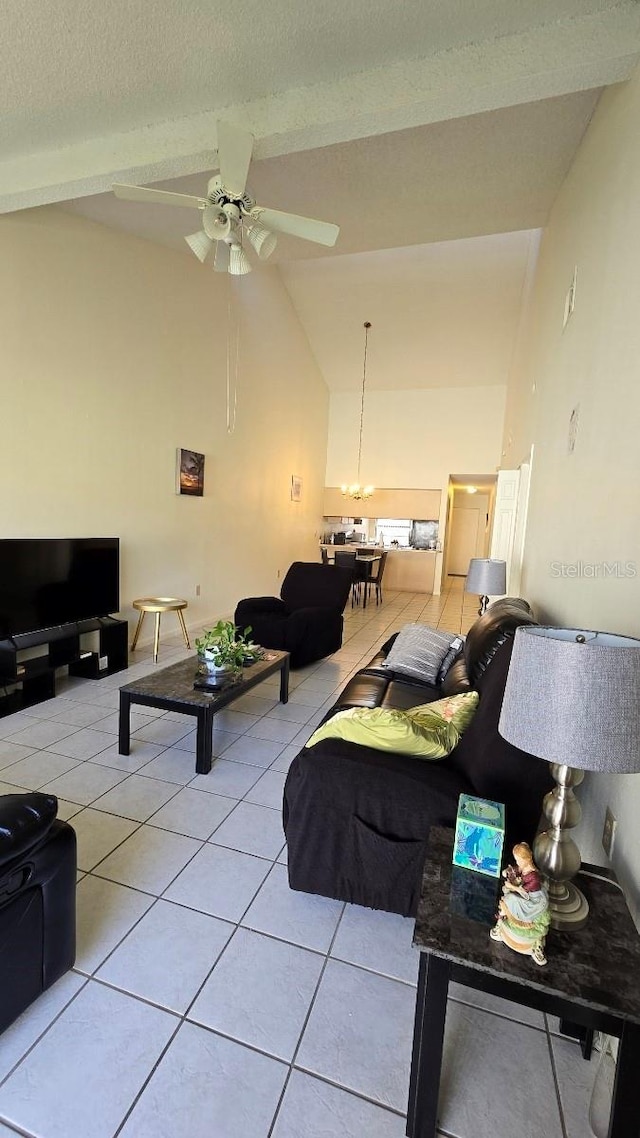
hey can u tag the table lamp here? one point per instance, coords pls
(488, 578)
(571, 697)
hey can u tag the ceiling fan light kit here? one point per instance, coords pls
(263, 241)
(216, 223)
(239, 263)
(200, 244)
(229, 212)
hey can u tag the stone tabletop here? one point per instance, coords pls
(176, 681)
(598, 966)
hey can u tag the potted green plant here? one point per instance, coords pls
(224, 648)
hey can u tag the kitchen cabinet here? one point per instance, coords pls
(385, 503)
(410, 570)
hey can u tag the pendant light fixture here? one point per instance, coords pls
(355, 490)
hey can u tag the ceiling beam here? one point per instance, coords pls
(553, 59)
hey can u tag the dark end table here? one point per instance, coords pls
(591, 979)
(172, 689)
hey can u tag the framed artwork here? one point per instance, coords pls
(296, 488)
(189, 472)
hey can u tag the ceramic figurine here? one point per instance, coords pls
(523, 913)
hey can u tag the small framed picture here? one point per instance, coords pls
(189, 472)
(296, 488)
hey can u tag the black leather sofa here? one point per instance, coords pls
(357, 819)
(37, 900)
(306, 619)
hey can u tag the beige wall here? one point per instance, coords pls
(113, 355)
(416, 439)
(584, 505)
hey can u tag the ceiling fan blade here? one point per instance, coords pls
(322, 232)
(234, 155)
(162, 197)
(221, 261)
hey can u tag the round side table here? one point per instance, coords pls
(158, 605)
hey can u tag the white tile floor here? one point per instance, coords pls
(208, 999)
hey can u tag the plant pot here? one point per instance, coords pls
(212, 669)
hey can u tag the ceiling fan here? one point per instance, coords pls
(229, 212)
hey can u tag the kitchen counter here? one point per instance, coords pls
(412, 570)
(409, 570)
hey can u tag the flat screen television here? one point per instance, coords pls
(48, 582)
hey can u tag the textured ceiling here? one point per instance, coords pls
(93, 68)
(442, 315)
(420, 128)
(94, 93)
(485, 173)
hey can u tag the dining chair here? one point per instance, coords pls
(376, 579)
(344, 559)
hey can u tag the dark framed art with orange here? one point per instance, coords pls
(189, 472)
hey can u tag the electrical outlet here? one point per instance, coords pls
(609, 833)
(197, 590)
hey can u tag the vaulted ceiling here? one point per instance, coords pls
(412, 125)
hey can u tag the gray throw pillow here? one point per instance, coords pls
(455, 648)
(419, 651)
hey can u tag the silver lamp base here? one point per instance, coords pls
(557, 855)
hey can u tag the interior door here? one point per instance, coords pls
(467, 535)
(504, 520)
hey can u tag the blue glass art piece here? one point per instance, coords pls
(479, 835)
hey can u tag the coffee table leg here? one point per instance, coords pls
(623, 1122)
(284, 681)
(124, 739)
(428, 1037)
(204, 740)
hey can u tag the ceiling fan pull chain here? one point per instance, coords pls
(232, 410)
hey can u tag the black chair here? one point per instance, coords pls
(306, 620)
(37, 900)
(345, 560)
(376, 579)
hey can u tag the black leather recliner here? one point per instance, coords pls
(306, 620)
(37, 900)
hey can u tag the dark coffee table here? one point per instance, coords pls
(172, 689)
(590, 979)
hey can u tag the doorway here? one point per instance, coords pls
(469, 522)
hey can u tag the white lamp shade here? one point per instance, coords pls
(263, 241)
(199, 244)
(215, 222)
(487, 577)
(239, 263)
(573, 697)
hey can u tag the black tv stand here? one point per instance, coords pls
(24, 682)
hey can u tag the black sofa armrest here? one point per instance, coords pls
(25, 819)
(357, 822)
(258, 606)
